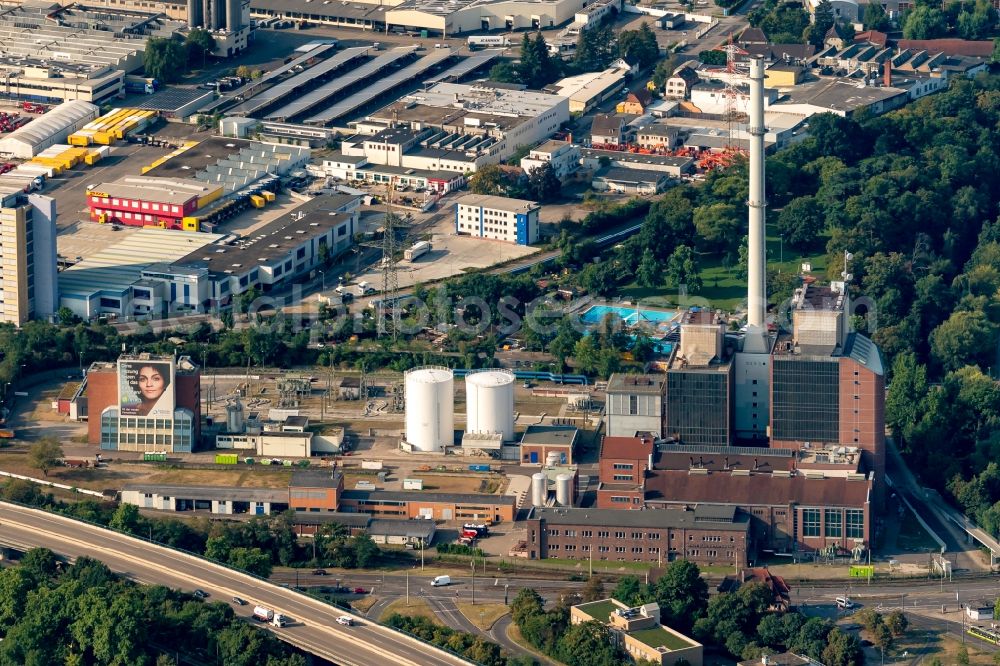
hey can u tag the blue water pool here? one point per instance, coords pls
(630, 316)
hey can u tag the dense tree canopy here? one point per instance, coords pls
(87, 615)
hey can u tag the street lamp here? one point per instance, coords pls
(323, 273)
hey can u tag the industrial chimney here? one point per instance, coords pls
(756, 339)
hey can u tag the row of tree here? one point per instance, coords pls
(86, 615)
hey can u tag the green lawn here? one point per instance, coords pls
(599, 610)
(722, 288)
(658, 636)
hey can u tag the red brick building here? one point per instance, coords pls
(625, 459)
(706, 534)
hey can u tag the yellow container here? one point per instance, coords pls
(92, 158)
(257, 201)
(79, 140)
(268, 196)
(190, 224)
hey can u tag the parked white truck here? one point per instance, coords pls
(262, 614)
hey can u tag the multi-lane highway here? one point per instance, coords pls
(313, 624)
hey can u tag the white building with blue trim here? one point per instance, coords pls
(497, 218)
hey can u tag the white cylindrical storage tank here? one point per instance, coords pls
(552, 458)
(489, 399)
(539, 489)
(430, 409)
(564, 490)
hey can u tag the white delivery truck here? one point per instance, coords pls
(441, 581)
(488, 41)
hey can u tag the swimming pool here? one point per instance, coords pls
(630, 316)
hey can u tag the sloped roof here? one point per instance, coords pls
(965, 47)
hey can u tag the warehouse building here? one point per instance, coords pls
(81, 35)
(149, 201)
(281, 251)
(28, 286)
(425, 16)
(114, 281)
(497, 218)
(461, 113)
(27, 141)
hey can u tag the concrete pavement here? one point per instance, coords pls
(313, 624)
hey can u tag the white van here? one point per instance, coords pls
(440, 581)
(844, 602)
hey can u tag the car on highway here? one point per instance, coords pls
(239, 602)
(844, 602)
(319, 572)
(201, 594)
(345, 620)
(360, 590)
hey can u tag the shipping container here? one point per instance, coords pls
(479, 468)
(256, 201)
(226, 459)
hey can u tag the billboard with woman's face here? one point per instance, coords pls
(146, 388)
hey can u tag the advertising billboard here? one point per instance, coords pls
(146, 388)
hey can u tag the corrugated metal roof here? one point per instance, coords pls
(64, 116)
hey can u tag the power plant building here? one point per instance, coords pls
(635, 404)
(699, 406)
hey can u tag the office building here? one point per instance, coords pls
(497, 218)
(638, 632)
(144, 403)
(28, 286)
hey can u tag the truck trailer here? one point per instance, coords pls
(416, 251)
(486, 41)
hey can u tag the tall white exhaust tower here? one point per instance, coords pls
(752, 363)
(756, 261)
